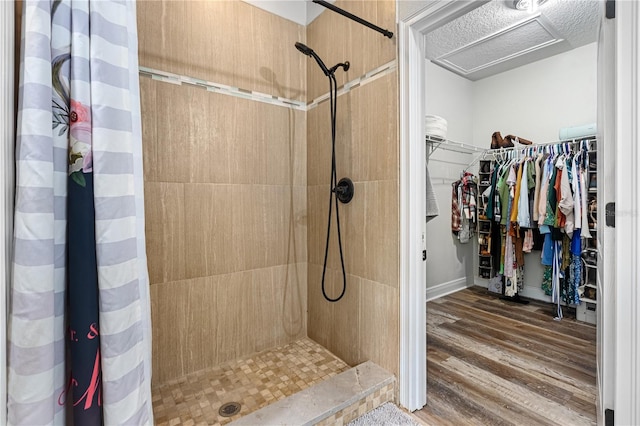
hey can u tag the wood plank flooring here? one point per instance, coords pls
(493, 362)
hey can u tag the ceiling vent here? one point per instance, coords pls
(519, 39)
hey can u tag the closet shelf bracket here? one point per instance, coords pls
(434, 143)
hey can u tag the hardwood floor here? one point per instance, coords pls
(493, 362)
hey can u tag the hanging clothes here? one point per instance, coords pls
(464, 193)
(566, 203)
(540, 203)
(538, 184)
(491, 203)
(432, 207)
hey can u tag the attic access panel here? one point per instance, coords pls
(522, 38)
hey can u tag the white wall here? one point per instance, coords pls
(535, 101)
(451, 97)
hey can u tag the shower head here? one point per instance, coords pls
(304, 48)
(309, 52)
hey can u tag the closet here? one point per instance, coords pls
(534, 101)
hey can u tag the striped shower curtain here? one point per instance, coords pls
(79, 323)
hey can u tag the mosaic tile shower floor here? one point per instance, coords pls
(254, 381)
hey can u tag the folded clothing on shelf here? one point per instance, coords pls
(435, 126)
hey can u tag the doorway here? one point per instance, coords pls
(415, 22)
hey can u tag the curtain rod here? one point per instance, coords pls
(354, 17)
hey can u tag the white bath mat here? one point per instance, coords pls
(387, 414)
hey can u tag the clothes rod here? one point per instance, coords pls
(535, 146)
(354, 17)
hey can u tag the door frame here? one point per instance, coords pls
(627, 220)
(411, 62)
(625, 303)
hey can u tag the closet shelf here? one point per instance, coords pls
(433, 143)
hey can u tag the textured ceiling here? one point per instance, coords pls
(496, 37)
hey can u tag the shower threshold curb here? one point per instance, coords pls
(314, 404)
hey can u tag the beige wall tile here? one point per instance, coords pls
(320, 311)
(290, 286)
(235, 309)
(374, 148)
(208, 229)
(278, 310)
(173, 131)
(267, 146)
(354, 228)
(379, 325)
(260, 221)
(299, 154)
(335, 325)
(319, 144)
(210, 136)
(338, 39)
(233, 228)
(165, 231)
(381, 232)
(354, 221)
(366, 148)
(297, 226)
(202, 322)
(201, 39)
(328, 36)
(264, 309)
(345, 321)
(318, 211)
(148, 103)
(181, 314)
(161, 34)
(369, 225)
(317, 202)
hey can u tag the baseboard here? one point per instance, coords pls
(443, 289)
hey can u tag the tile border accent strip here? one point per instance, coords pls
(224, 89)
(367, 78)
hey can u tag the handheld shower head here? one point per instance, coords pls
(309, 52)
(304, 48)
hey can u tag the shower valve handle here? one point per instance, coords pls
(344, 190)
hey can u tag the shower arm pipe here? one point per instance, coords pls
(359, 20)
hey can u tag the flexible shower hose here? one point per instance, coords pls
(333, 195)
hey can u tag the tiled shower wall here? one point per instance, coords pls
(364, 325)
(225, 184)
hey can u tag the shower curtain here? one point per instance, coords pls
(79, 323)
